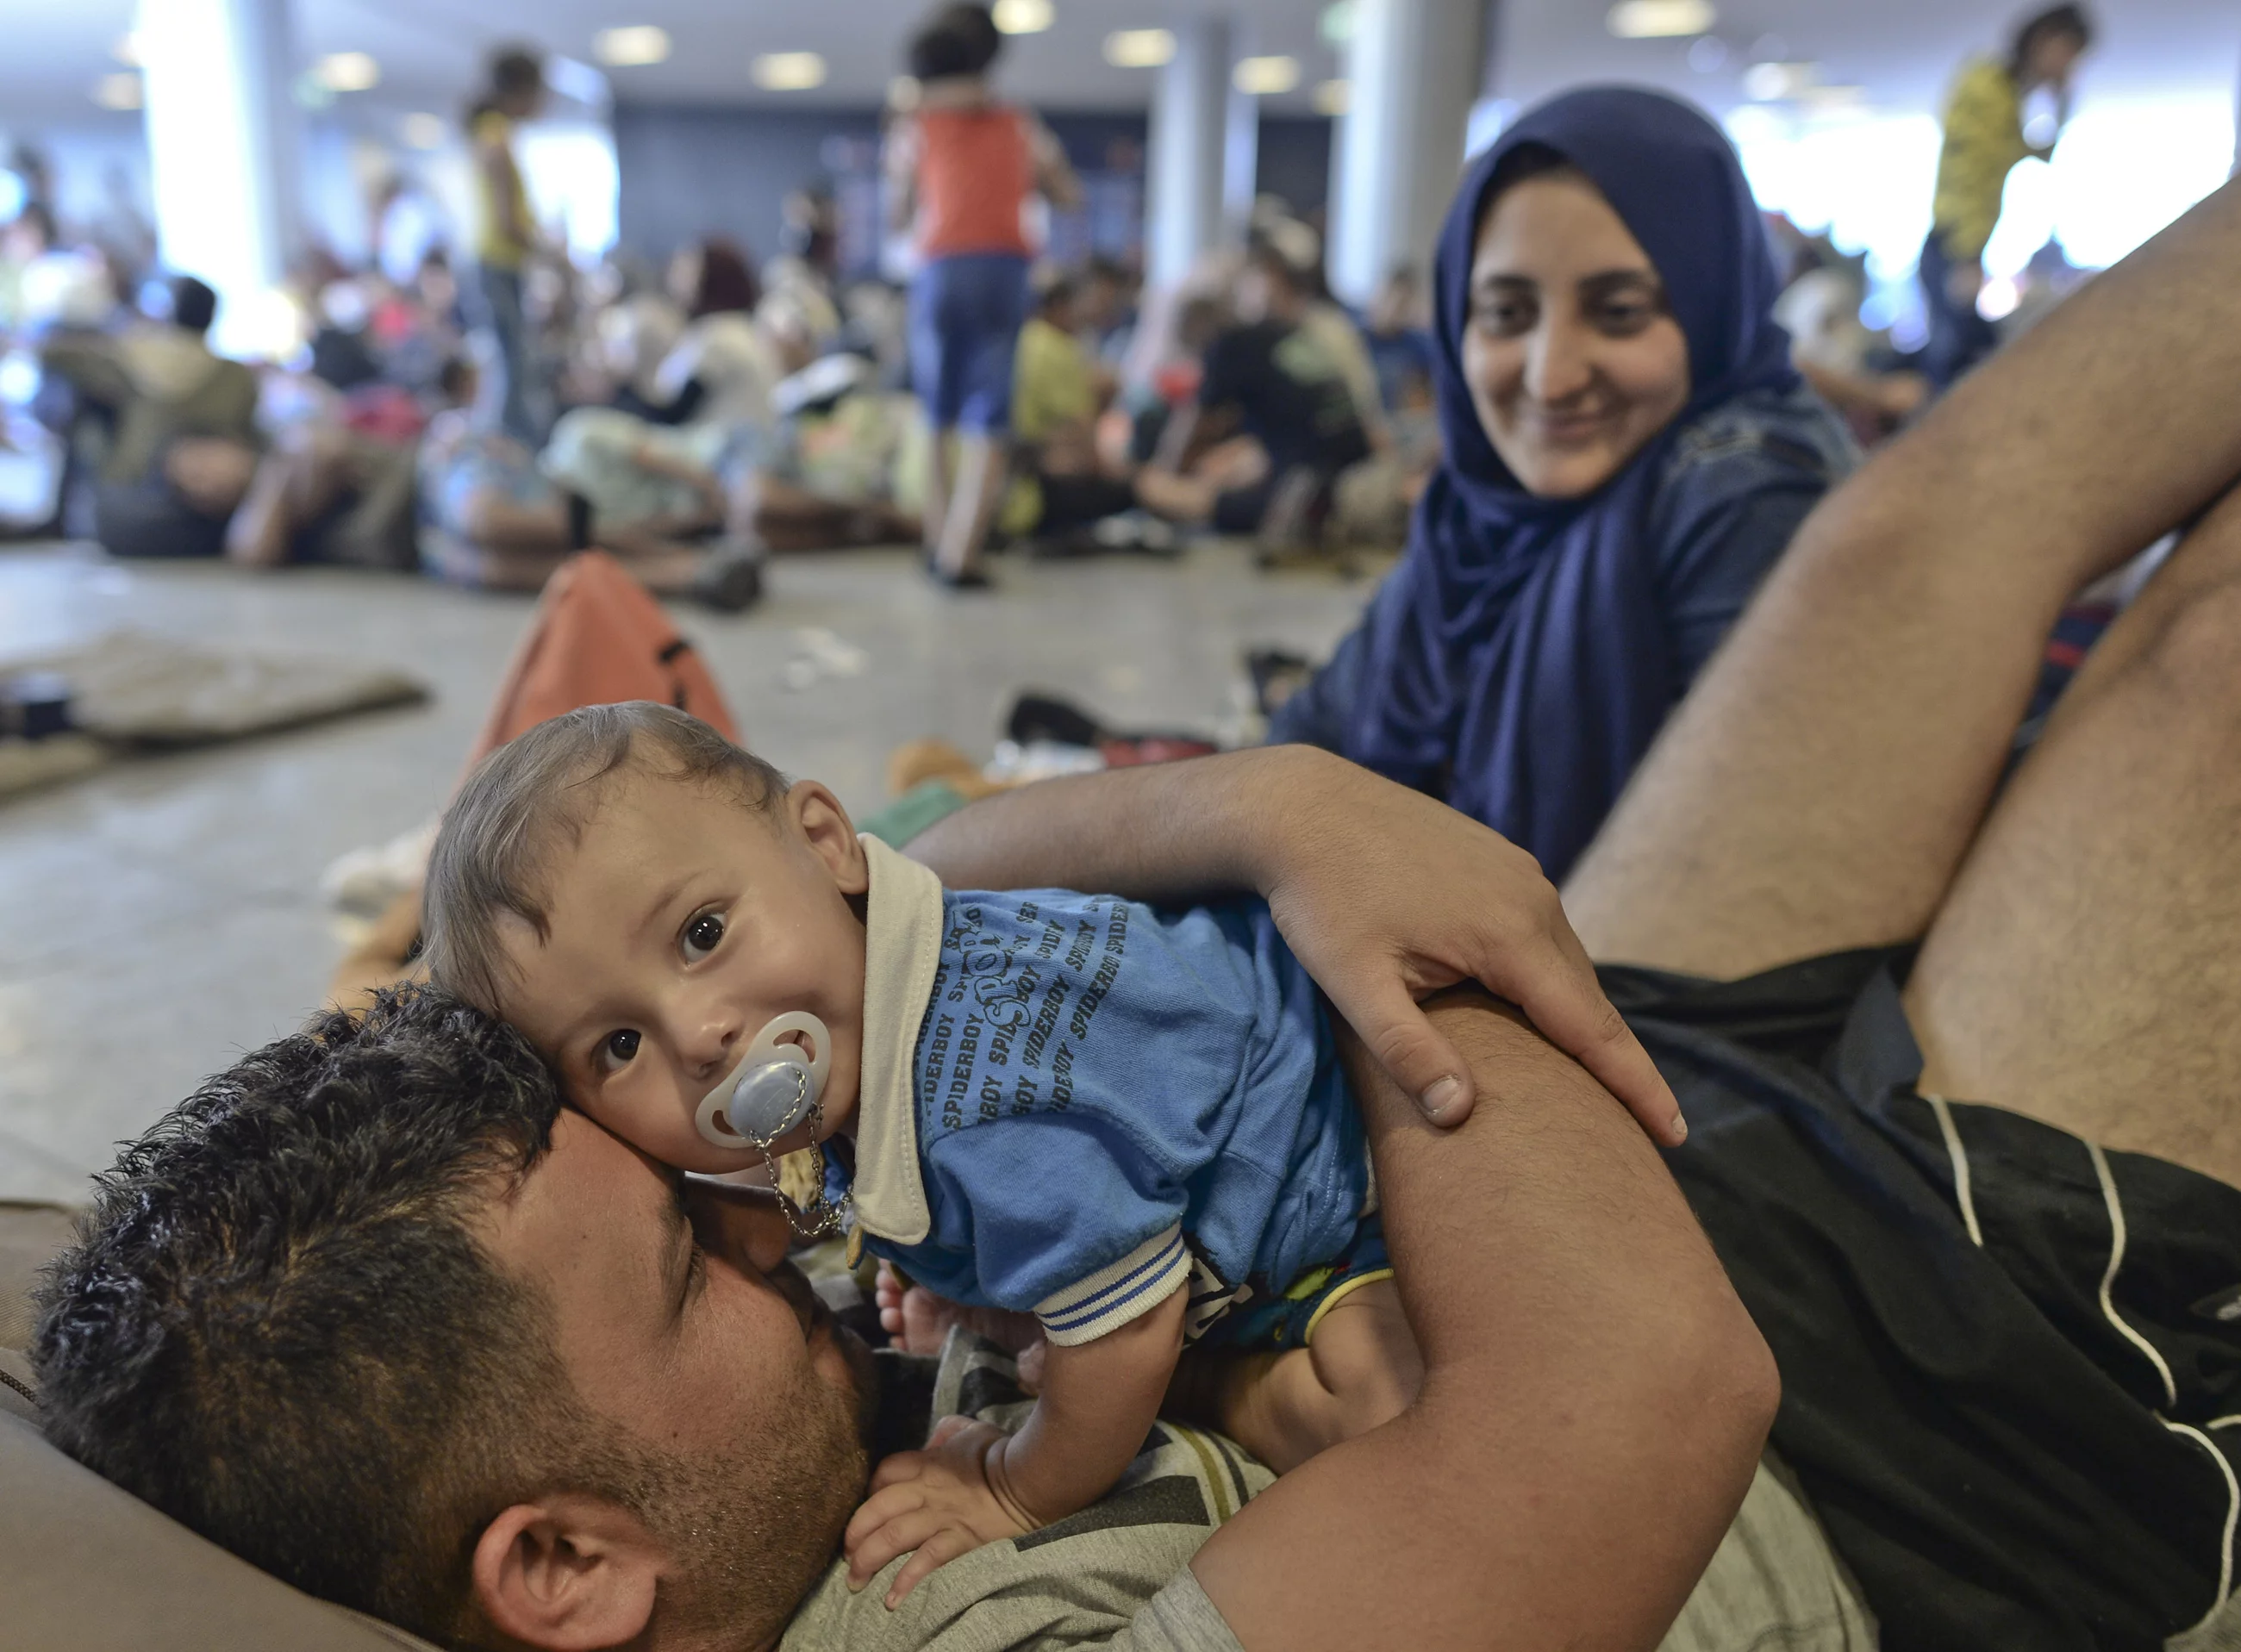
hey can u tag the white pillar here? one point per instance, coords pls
(1190, 109)
(1240, 161)
(1413, 68)
(223, 136)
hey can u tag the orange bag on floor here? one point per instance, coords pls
(599, 638)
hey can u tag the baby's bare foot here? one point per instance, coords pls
(920, 1322)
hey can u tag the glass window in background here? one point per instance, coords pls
(2123, 169)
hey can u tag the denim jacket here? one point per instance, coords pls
(1740, 478)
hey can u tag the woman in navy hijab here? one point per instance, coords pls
(1627, 453)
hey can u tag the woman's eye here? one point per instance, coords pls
(1626, 315)
(1505, 320)
(621, 1046)
(701, 936)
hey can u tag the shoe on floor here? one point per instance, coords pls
(731, 582)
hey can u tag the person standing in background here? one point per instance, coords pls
(1983, 140)
(960, 170)
(507, 234)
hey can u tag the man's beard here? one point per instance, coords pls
(751, 1530)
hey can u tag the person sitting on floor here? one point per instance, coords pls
(1627, 451)
(184, 440)
(492, 517)
(326, 492)
(1274, 425)
(1056, 401)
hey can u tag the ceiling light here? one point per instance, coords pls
(1331, 97)
(1265, 76)
(1024, 16)
(632, 46)
(1139, 48)
(788, 71)
(122, 91)
(344, 72)
(423, 130)
(131, 49)
(1770, 83)
(1659, 19)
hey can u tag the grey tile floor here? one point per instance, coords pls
(162, 915)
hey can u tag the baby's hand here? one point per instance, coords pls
(940, 1502)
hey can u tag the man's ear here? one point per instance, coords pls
(821, 819)
(570, 1573)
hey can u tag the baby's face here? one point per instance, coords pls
(682, 921)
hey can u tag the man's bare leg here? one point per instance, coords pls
(2084, 968)
(1822, 783)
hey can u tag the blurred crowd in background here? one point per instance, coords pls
(474, 402)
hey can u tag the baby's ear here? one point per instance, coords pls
(821, 821)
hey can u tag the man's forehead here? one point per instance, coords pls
(589, 1188)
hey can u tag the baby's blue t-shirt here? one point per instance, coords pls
(1105, 1100)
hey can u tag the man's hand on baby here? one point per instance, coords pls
(934, 1505)
(1387, 896)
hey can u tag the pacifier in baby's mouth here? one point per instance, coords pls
(775, 1088)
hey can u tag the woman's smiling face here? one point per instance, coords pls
(1573, 358)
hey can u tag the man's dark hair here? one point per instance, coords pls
(2071, 20)
(1266, 256)
(957, 40)
(514, 70)
(194, 306)
(535, 794)
(40, 217)
(727, 281)
(277, 1326)
(455, 380)
(1057, 292)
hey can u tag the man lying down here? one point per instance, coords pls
(376, 1311)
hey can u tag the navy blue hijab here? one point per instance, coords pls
(1518, 662)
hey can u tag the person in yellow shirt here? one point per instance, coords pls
(1983, 140)
(1056, 396)
(507, 233)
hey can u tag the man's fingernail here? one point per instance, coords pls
(1680, 1128)
(1443, 1094)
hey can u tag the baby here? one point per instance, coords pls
(1130, 1122)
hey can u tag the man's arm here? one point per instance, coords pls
(91, 366)
(1384, 893)
(1054, 174)
(1595, 1396)
(899, 164)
